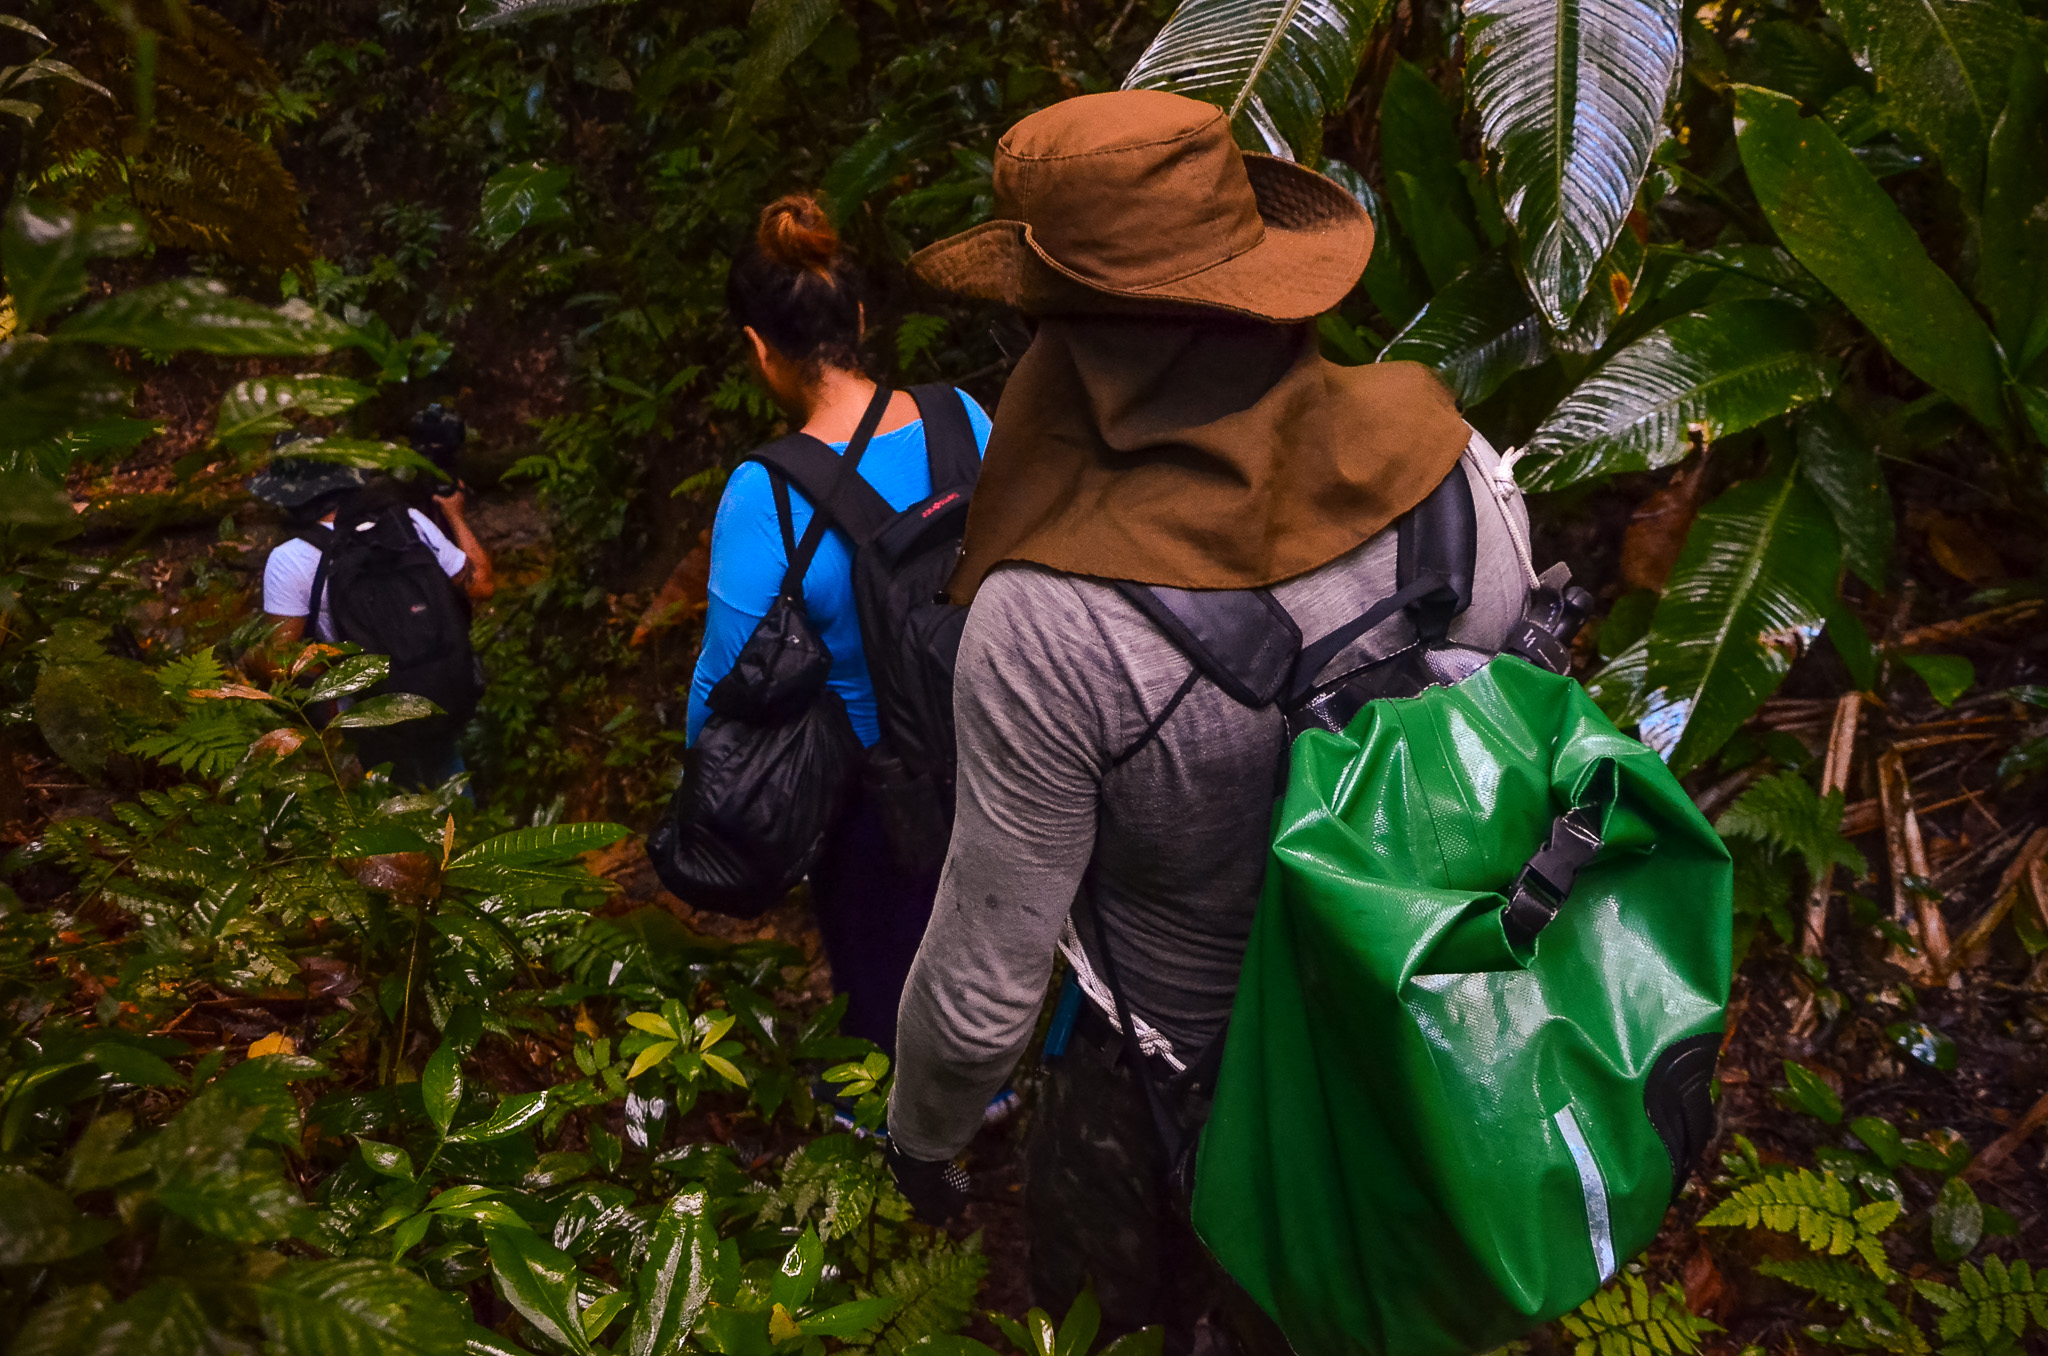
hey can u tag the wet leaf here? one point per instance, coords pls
(1476, 332)
(1838, 222)
(1924, 1044)
(441, 1085)
(540, 1281)
(393, 708)
(519, 196)
(1811, 1095)
(1570, 97)
(1948, 676)
(201, 315)
(1841, 466)
(1956, 1223)
(674, 1283)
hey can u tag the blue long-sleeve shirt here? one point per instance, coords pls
(748, 562)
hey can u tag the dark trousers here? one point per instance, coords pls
(1096, 1208)
(871, 917)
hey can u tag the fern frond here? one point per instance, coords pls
(1987, 1312)
(1819, 1210)
(1830, 1278)
(208, 742)
(1630, 1319)
(937, 1290)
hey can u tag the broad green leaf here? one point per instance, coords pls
(48, 390)
(1277, 67)
(39, 1224)
(1813, 1096)
(132, 1064)
(349, 677)
(1842, 225)
(1476, 333)
(408, 1234)
(648, 1058)
(1419, 160)
(43, 252)
(2012, 262)
(547, 845)
(1941, 68)
(519, 196)
(209, 1174)
(541, 1281)
(851, 1319)
(1724, 369)
(509, 1117)
(725, 1069)
(165, 1319)
(199, 314)
(778, 31)
(1750, 587)
(883, 152)
(368, 453)
(379, 840)
(441, 1085)
(797, 1277)
(1144, 1342)
(1622, 689)
(1948, 676)
(481, 14)
(599, 1313)
(1570, 97)
(674, 1283)
(256, 408)
(98, 1161)
(1841, 466)
(1882, 1138)
(62, 1325)
(1957, 1221)
(28, 499)
(358, 1307)
(390, 709)
(387, 1160)
(653, 1025)
(1077, 1330)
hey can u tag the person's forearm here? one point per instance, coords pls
(481, 584)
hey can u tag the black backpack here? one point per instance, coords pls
(909, 628)
(386, 591)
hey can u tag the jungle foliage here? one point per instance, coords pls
(293, 1060)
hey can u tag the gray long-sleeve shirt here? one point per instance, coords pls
(1057, 676)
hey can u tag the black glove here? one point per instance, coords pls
(936, 1189)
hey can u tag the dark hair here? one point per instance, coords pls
(796, 288)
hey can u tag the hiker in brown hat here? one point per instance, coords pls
(1173, 424)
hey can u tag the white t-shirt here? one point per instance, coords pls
(288, 574)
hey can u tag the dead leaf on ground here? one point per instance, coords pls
(1706, 1290)
(276, 1043)
(1658, 527)
(1961, 549)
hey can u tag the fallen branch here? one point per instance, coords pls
(1834, 779)
(1906, 855)
(1941, 633)
(1978, 934)
(2006, 1144)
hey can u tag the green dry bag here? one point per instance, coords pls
(1462, 1085)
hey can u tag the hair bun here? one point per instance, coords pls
(796, 233)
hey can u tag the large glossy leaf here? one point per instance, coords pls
(547, 845)
(441, 1084)
(519, 196)
(208, 1173)
(1841, 466)
(1725, 368)
(2012, 266)
(541, 1282)
(1941, 66)
(393, 708)
(1570, 96)
(1843, 227)
(1419, 161)
(43, 253)
(164, 1319)
(778, 31)
(675, 1281)
(62, 1325)
(358, 1307)
(1275, 66)
(38, 1223)
(200, 314)
(1751, 586)
(47, 390)
(1476, 333)
(257, 407)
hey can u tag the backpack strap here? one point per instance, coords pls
(1439, 536)
(949, 445)
(836, 492)
(1240, 639)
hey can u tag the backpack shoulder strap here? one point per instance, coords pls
(1440, 537)
(848, 501)
(1240, 639)
(949, 445)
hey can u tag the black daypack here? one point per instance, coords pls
(769, 774)
(909, 628)
(386, 591)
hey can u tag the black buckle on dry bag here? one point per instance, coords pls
(1546, 879)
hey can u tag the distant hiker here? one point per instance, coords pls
(1173, 423)
(798, 300)
(364, 568)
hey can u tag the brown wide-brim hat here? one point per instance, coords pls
(1141, 200)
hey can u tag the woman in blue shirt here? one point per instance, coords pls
(797, 298)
